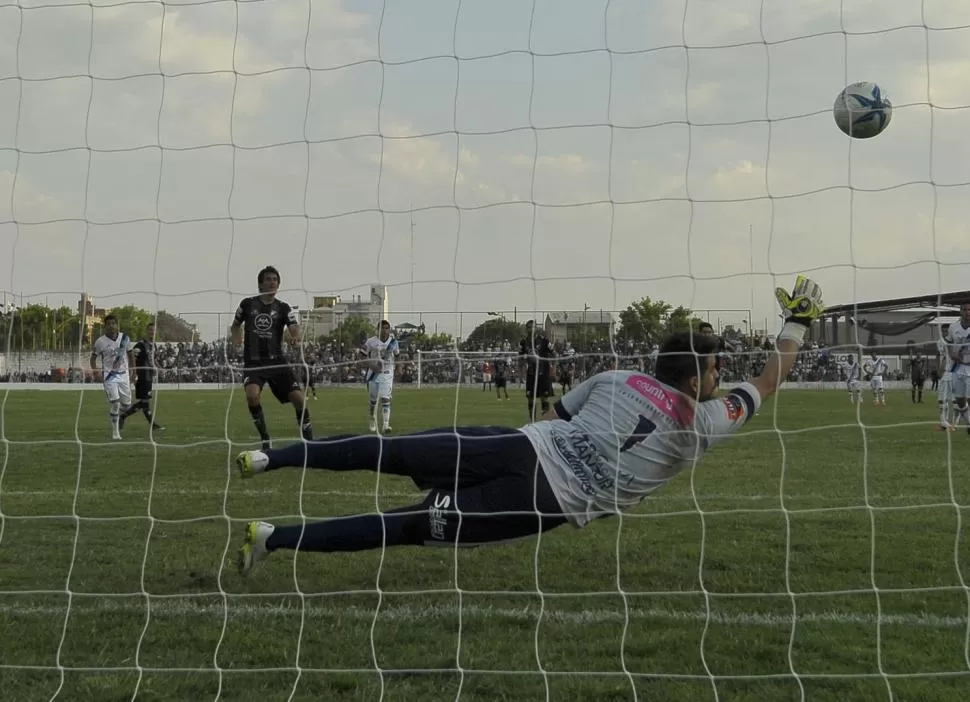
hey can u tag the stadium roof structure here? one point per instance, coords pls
(927, 303)
(589, 317)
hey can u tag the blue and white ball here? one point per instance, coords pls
(862, 110)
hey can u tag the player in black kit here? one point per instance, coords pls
(536, 350)
(265, 319)
(144, 355)
(500, 376)
(918, 375)
(566, 373)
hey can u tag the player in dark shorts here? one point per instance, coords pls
(536, 351)
(500, 376)
(917, 373)
(307, 371)
(144, 355)
(566, 373)
(265, 318)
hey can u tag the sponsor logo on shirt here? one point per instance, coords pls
(735, 407)
(673, 406)
(584, 461)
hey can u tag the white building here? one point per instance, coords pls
(560, 327)
(330, 310)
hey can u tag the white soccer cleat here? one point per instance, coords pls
(254, 548)
(373, 425)
(251, 462)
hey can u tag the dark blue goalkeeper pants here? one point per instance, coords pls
(485, 486)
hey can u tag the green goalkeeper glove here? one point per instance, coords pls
(804, 305)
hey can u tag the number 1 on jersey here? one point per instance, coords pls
(643, 429)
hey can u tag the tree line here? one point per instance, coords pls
(42, 328)
(644, 322)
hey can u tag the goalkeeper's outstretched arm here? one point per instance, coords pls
(779, 365)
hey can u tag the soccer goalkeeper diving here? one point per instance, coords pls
(602, 449)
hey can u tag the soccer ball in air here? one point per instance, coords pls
(862, 110)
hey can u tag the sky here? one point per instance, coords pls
(480, 155)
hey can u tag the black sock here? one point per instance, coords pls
(259, 420)
(303, 420)
(131, 410)
(545, 406)
(148, 414)
(532, 410)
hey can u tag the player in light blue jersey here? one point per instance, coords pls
(114, 351)
(382, 350)
(958, 336)
(853, 379)
(602, 449)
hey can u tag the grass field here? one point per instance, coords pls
(810, 557)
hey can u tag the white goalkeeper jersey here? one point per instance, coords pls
(113, 355)
(623, 434)
(853, 372)
(959, 337)
(384, 351)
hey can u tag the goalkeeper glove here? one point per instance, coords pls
(804, 305)
(800, 308)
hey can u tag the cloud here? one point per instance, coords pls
(699, 149)
(22, 202)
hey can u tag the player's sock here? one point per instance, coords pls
(545, 407)
(386, 413)
(372, 417)
(913, 393)
(114, 415)
(303, 419)
(963, 412)
(256, 411)
(532, 410)
(131, 410)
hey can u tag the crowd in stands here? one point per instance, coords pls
(202, 362)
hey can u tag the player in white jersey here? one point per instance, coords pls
(853, 379)
(876, 366)
(382, 350)
(113, 350)
(944, 394)
(602, 449)
(959, 352)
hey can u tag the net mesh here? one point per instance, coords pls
(436, 163)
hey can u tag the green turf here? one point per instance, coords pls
(751, 578)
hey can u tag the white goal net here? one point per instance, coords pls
(458, 167)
